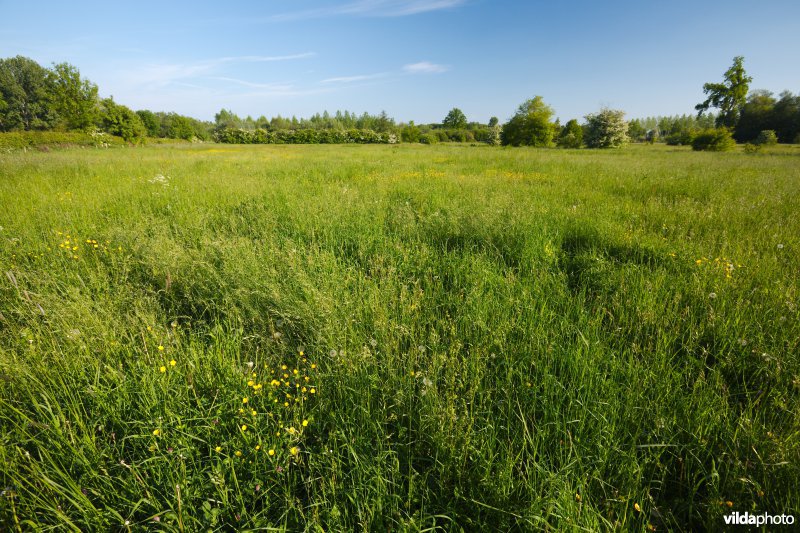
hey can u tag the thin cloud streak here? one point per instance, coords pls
(371, 8)
(425, 67)
(352, 79)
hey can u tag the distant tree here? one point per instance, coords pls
(606, 129)
(410, 133)
(530, 126)
(571, 135)
(786, 117)
(181, 128)
(455, 119)
(150, 121)
(494, 121)
(24, 91)
(729, 96)
(757, 114)
(119, 120)
(74, 100)
(766, 138)
(225, 119)
(636, 131)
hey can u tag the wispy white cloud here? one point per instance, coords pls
(371, 8)
(353, 79)
(160, 75)
(425, 67)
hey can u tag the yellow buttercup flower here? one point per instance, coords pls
(271, 453)
(218, 449)
(294, 450)
(244, 427)
(238, 453)
(162, 369)
(173, 362)
(156, 432)
(305, 423)
(160, 348)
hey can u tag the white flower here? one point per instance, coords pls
(712, 295)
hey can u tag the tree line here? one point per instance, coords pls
(34, 98)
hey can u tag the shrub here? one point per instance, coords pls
(530, 126)
(429, 138)
(766, 138)
(606, 129)
(714, 140)
(571, 135)
(681, 138)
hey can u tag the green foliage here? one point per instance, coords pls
(429, 138)
(150, 121)
(410, 133)
(637, 131)
(25, 95)
(119, 120)
(494, 121)
(261, 136)
(44, 140)
(729, 96)
(606, 129)
(74, 100)
(714, 140)
(455, 119)
(681, 138)
(530, 126)
(767, 138)
(571, 135)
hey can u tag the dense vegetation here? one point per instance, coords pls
(33, 98)
(397, 338)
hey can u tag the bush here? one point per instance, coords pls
(530, 126)
(714, 140)
(766, 138)
(606, 129)
(429, 138)
(681, 138)
(571, 135)
(23, 140)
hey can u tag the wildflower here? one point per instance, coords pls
(780, 247)
(253, 412)
(286, 404)
(244, 427)
(729, 503)
(313, 365)
(244, 400)
(313, 391)
(218, 449)
(258, 447)
(238, 453)
(156, 432)
(271, 453)
(295, 371)
(160, 348)
(294, 450)
(712, 295)
(636, 506)
(577, 497)
(162, 369)
(305, 423)
(283, 367)
(173, 362)
(250, 383)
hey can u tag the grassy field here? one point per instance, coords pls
(398, 338)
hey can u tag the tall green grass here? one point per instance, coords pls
(503, 339)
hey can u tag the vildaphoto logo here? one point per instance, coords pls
(763, 519)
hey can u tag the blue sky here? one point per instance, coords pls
(416, 59)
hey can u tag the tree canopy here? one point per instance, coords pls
(530, 126)
(729, 96)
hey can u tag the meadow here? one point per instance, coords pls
(398, 338)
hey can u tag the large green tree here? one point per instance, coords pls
(25, 95)
(729, 96)
(455, 119)
(530, 126)
(74, 100)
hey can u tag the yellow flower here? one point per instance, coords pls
(313, 391)
(295, 371)
(162, 369)
(160, 348)
(271, 453)
(304, 389)
(636, 506)
(283, 367)
(258, 447)
(173, 362)
(253, 412)
(294, 450)
(156, 432)
(244, 400)
(250, 383)
(305, 423)
(238, 453)
(313, 365)
(286, 404)
(244, 427)
(218, 449)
